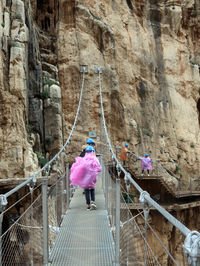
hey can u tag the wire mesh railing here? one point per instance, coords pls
(55, 198)
(21, 241)
(139, 239)
(191, 245)
(28, 240)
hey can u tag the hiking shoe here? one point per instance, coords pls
(93, 206)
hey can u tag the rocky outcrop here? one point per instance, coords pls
(149, 55)
(17, 157)
(29, 69)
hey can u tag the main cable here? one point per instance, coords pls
(146, 196)
(48, 164)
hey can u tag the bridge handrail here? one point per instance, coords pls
(176, 192)
(154, 161)
(190, 245)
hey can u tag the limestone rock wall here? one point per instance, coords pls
(30, 95)
(17, 157)
(149, 51)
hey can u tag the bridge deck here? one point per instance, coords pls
(85, 237)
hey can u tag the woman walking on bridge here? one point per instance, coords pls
(84, 173)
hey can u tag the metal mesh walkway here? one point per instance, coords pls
(85, 237)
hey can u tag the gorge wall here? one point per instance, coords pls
(149, 53)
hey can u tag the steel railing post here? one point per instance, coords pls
(117, 244)
(103, 177)
(106, 187)
(3, 203)
(1, 221)
(68, 194)
(64, 194)
(45, 221)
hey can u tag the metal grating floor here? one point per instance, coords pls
(85, 237)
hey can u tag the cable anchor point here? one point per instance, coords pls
(84, 69)
(98, 70)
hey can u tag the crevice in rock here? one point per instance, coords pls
(129, 3)
(47, 15)
(198, 108)
(100, 40)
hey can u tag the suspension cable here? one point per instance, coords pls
(47, 165)
(173, 220)
(145, 198)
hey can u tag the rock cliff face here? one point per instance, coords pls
(149, 53)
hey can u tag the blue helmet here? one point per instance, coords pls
(126, 145)
(90, 141)
(146, 155)
(89, 148)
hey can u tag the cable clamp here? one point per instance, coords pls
(3, 202)
(143, 201)
(191, 247)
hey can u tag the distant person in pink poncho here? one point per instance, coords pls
(84, 173)
(146, 163)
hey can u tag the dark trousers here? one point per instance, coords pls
(89, 195)
(147, 171)
(124, 163)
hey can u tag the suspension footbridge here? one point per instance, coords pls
(52, 227)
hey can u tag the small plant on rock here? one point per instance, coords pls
(177, 168)
(178, 156)
(13, 44)
(170, 160)
(49, 139)
(45, 94)
(192, 145)
(194, 13)
(48, 82)
(147, 132)
(41, 159)
(29, 129)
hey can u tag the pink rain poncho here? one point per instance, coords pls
(146, 163)
(84, 171)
